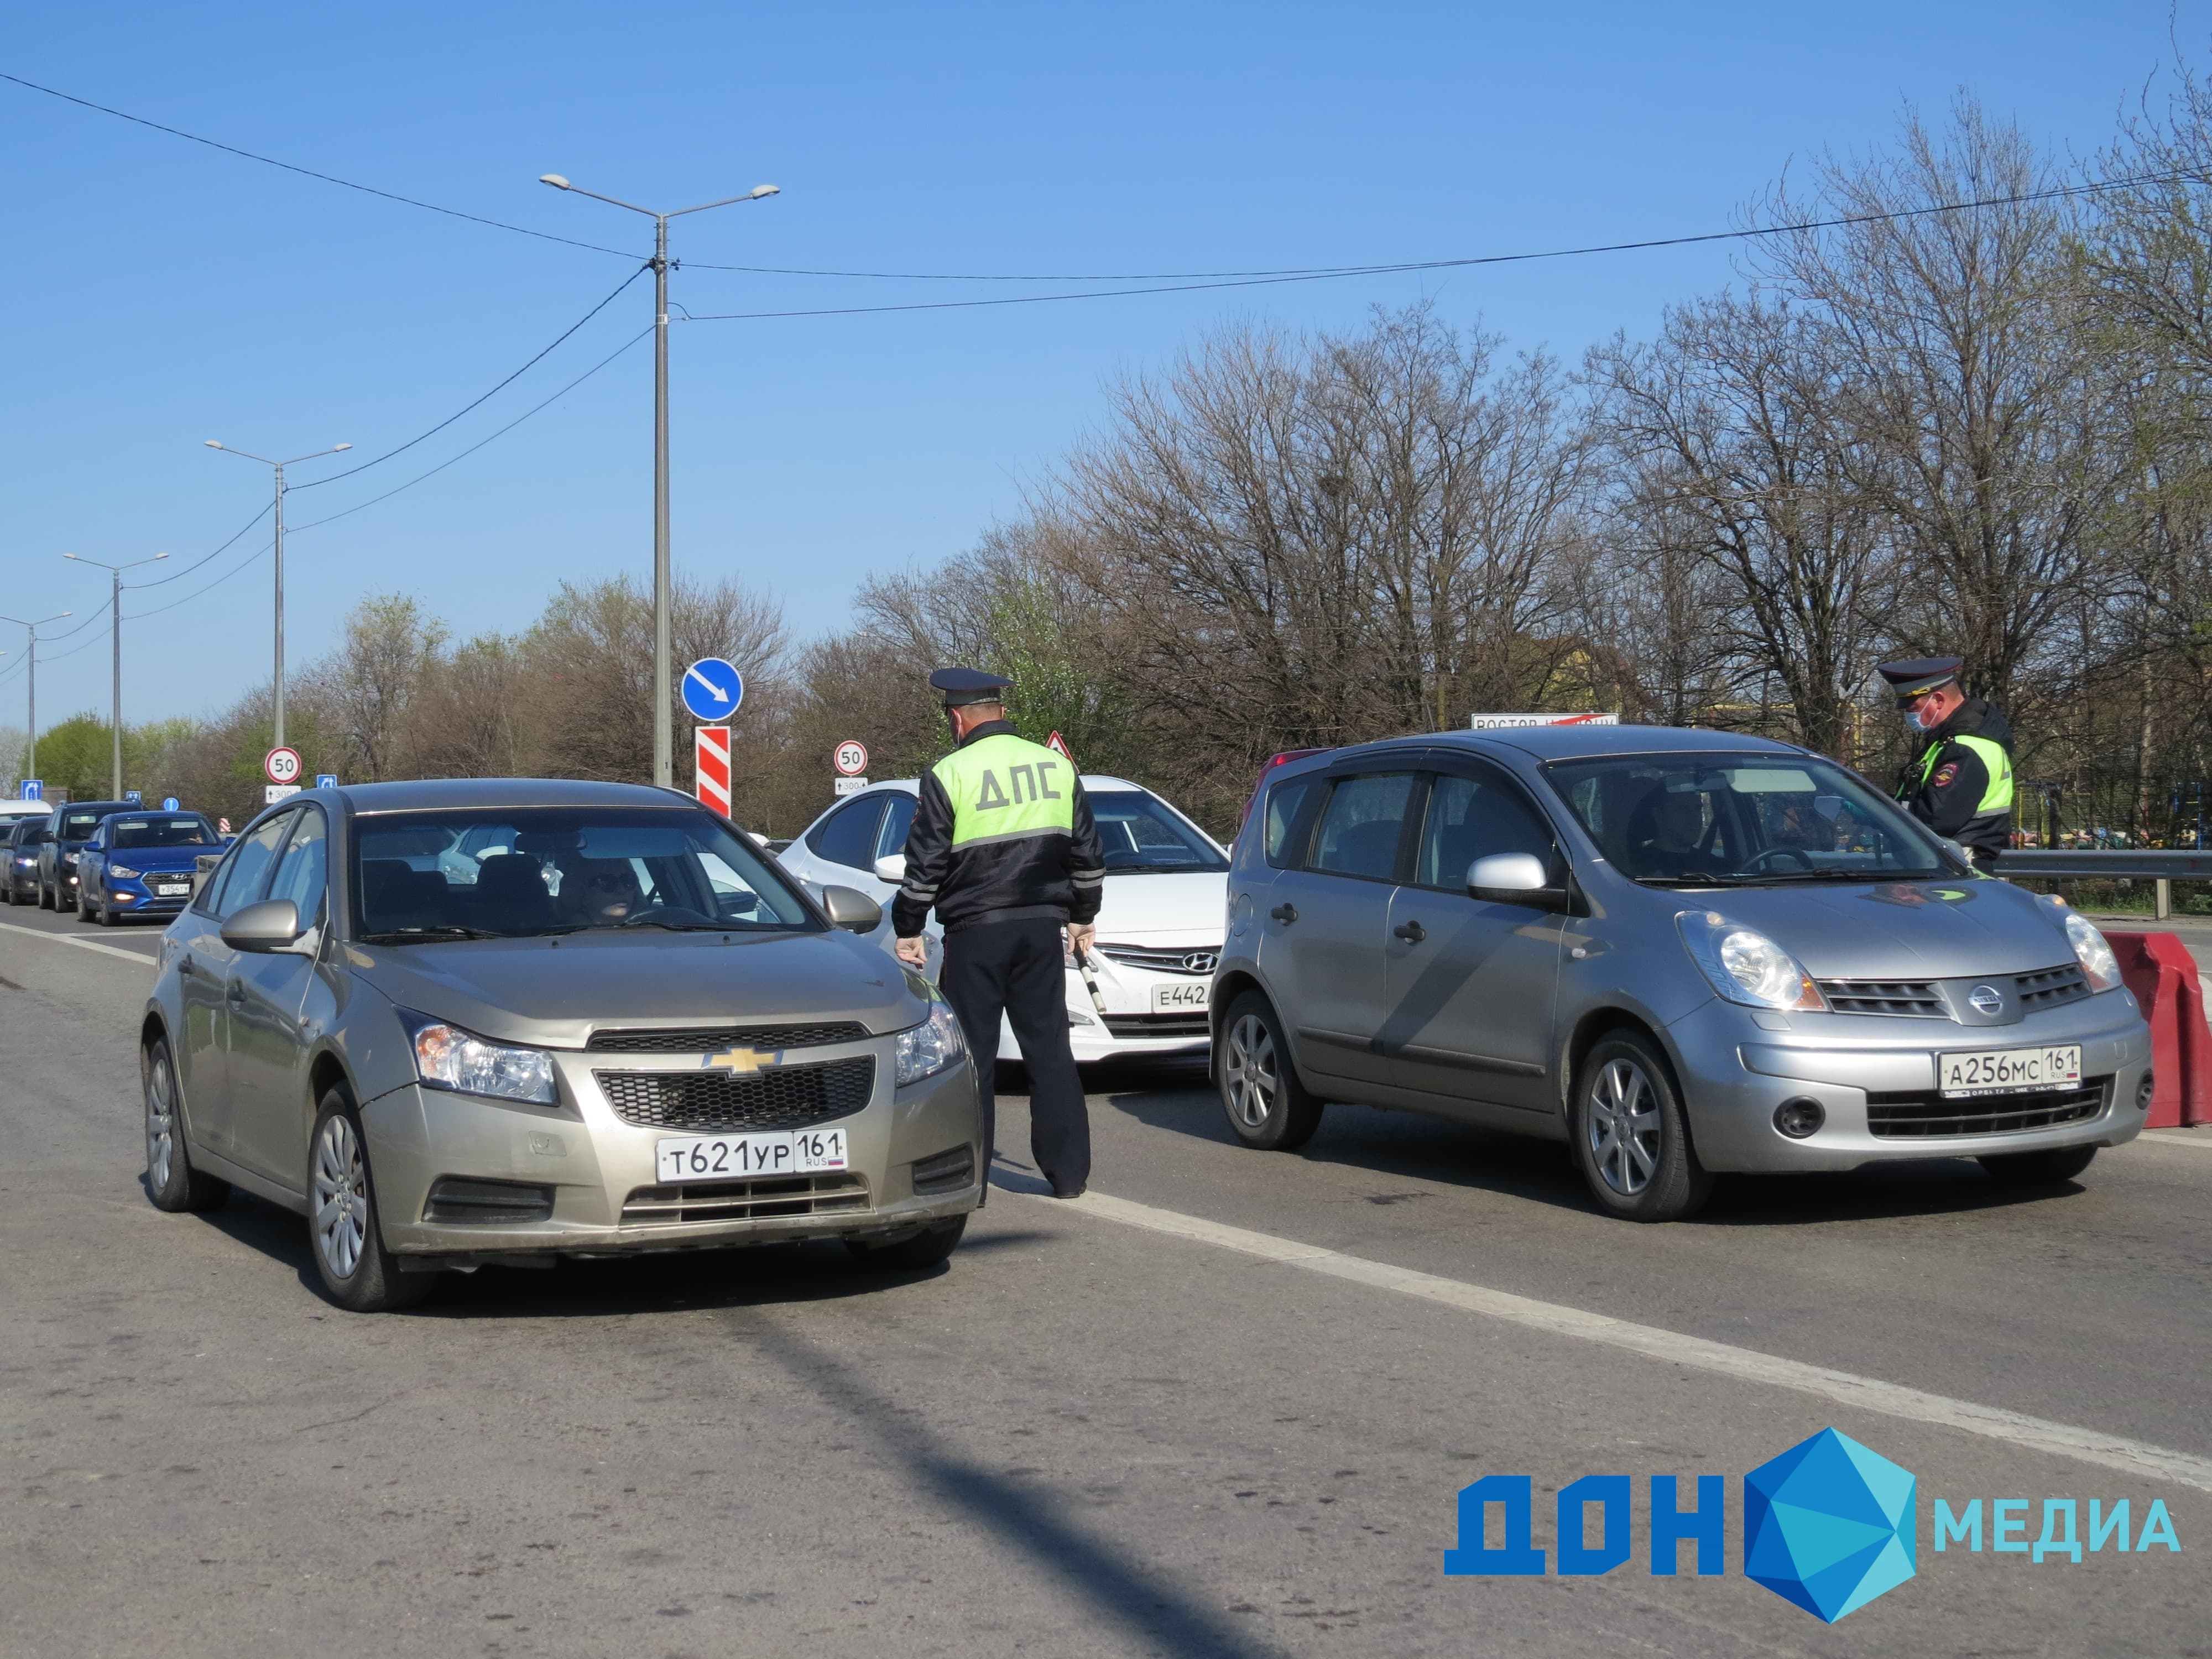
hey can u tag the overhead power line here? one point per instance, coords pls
(310, 173)
(318, 482)
(187, 570)
(1192, 281)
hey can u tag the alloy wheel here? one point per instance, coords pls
(341, 1196)
(1621, 1127)
(160, 1122)
(1249, 1075)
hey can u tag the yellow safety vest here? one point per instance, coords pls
(1006, 788)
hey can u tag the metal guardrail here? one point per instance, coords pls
(2161, 866)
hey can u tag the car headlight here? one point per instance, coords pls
(926, 1049)
(446, 1057)
(2099, 965)
(122, 872)
(1745, 966)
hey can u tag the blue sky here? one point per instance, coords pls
(159, 293)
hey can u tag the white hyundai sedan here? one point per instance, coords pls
(1160, 926)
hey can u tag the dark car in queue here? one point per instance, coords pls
(141, 864)
(19, 860)
(72, 826)
(612, 1025)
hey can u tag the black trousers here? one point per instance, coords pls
(1017, 967)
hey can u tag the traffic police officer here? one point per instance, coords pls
(1003, 845)
(1960, 785)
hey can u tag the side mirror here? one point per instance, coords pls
(850, 909)
(1514, 878)
(891, 867)
(269, 925)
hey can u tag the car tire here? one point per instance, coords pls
(1630, 1135)
(2044, 1169)
(923, 1249)
(344, 1235)
(171, 1181)
(1268, 1107)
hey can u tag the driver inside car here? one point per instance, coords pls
(1666, 835)
(610, 892)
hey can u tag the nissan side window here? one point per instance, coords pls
(847, 836)
(1470, 818)
(249, 864)
(1284, 802)
(1359, 828)
(307, 860)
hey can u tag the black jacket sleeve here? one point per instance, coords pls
(1086, 863)
(928, 858)
(1953, 791)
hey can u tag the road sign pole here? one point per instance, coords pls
(664, 734)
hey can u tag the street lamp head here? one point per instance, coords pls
(335, 449)
(554, 180)
(69, 556)
(215, 443)
(160, 555)
(759, 191)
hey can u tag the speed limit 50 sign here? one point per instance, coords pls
(282, 765)
(851, 759)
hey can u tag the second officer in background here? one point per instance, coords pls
(1960, 784)
(1003, 848)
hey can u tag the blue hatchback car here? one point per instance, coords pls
(141, 864)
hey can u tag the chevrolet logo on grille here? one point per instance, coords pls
(744, 1062)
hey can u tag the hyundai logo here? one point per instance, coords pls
(1201, 961)
(1986, 999)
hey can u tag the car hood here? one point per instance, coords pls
(1900, 930)
(531, 990)
(1181, 903)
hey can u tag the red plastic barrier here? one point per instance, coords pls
(2159, 969)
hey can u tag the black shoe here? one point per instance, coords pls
(1067, 1192)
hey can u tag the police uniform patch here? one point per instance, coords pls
(1945, 774)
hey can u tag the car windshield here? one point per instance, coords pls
(1736, 820)
(78, 826)
(189, 830)
(1141, 832)
(511, 873)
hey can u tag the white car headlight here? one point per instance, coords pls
(926, 1049)
(446, 1057)
(2099, 965)
(1745, 966)
(122, 872)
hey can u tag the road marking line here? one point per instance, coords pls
(139, 957)
(1746, 1365)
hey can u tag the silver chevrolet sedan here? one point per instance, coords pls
(1681, 952)
(467, 1022)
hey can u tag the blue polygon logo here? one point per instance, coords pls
(1829, 1525)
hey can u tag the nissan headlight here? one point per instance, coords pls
(1745, 966)
(446, 1057)
(122, 872)
(2099, 965)
(926, 1049)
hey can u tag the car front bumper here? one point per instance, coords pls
(607, 1196)
(1735, 1072)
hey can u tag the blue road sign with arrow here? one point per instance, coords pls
(168, 803)
(713, 688)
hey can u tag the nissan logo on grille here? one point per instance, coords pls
(1201, 961)
(1986, 999)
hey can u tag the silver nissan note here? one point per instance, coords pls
(1682, 952)
(466, 1021)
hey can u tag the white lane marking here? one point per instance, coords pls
(2196, 1138)
(1866, 1392)
(139, 957)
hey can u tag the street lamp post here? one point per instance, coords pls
(31, 708)
(664, 741)
(115, 647)
(335, 449)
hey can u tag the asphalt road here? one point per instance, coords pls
(1114, 1426)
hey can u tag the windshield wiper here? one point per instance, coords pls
(678, 926)
(420, 935)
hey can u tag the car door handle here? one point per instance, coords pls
(235, 992)
(1412, 931)
(1284, 913)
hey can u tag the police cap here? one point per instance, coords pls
(1915, 675)
(961, 686)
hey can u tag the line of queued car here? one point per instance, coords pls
(107, 860)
